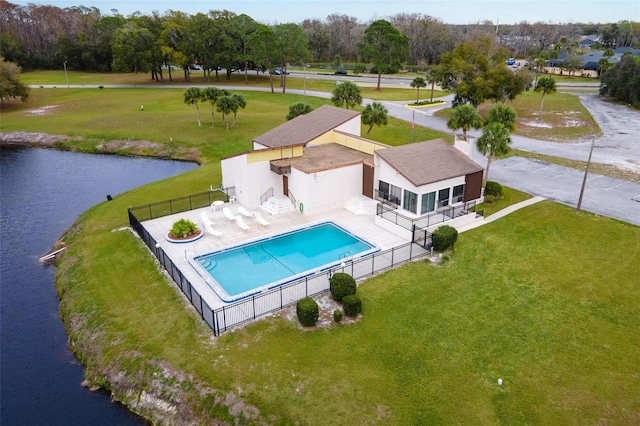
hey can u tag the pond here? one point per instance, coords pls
(42, 193)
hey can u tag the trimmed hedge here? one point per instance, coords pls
(342, 285)
(493, 188)
(337, 315)
(308, 311)
(444, 237)
(352, 305)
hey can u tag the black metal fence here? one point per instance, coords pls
(273, 300)
(441, 215)
(183, 204)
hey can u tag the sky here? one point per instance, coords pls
(447, 11)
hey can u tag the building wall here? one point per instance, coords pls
(329, 189)
(385, 172)
(356, 143)
(468, 148)
(352, 126)
(251, 180)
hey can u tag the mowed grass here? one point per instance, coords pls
(99, 115)
(543, 298)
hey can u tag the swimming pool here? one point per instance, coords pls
(251, 268)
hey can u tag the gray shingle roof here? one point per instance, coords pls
(305, 128)
(427, 162)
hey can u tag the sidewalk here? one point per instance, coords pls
(500, 214)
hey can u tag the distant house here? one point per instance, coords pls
(591, 59)
(319, 161)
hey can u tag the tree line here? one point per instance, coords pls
(43, 37)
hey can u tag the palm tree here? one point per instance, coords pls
(433, 76)
(545, 85)
(238, 102)
(494, 141)
(212, 94)
(299, 108)
(346, 93)
(418, 82)
(224, 104)
(192, 96)
(502, 113)
(374, 114)
(464, 117)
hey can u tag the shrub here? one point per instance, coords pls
(352, 305)
(308, 312)
(183, 227)
(337, 315)
(489, 199)
(374, 70)
(342, 285)
(359, 69)
(444, 237)
(493, 188)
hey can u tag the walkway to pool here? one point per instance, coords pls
(232, 235)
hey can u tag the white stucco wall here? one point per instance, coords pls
(352, 126)
(469, 149)
(257, 146)
(250, 180)
(329, 189)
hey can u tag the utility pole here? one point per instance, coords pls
(586, 172)
(65, 73)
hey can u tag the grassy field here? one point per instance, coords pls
(527, 298)
(521, 299)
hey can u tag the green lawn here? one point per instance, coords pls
(545, 299)
(523, 299)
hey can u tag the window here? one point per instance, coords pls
(443, 197)
(389, 192)
(458, 192)
(428, 203)
(410, 201)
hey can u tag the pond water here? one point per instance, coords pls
(42, 192)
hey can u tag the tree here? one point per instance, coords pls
(133, 48)
(299, 108)
(263, 48)
(374, 114)
(385, 47)
(10, 86)
(546, 85)
(432, 76)
(192, 96)
(238, 102)
(572, 63)
(622, 81)
(346, 93)
(225, 105)
(494, 141)
(504, 114)
(464, 117)
(212, 94)
(292, 48)
(418, 82)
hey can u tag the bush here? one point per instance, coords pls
(444, 237)
(493, 188)
(374, 70)
(308, 312)
(359, 69)
(341, 285)
(337, 315)
(183, 227)
(489, 199)
(352, 305)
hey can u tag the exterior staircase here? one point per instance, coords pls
(277, 204)
(361, 205)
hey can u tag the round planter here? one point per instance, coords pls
(188, 239)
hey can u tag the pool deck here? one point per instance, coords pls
(232, 235)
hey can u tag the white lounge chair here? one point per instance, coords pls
(260, 219)
(205, 218)
(244, 212)
(241, 223)
(228, 214)
(208, 226)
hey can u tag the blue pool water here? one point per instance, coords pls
(250, 268)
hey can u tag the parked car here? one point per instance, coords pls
(341, 72)
(278, 71)
(511, 61)
(195, 67)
